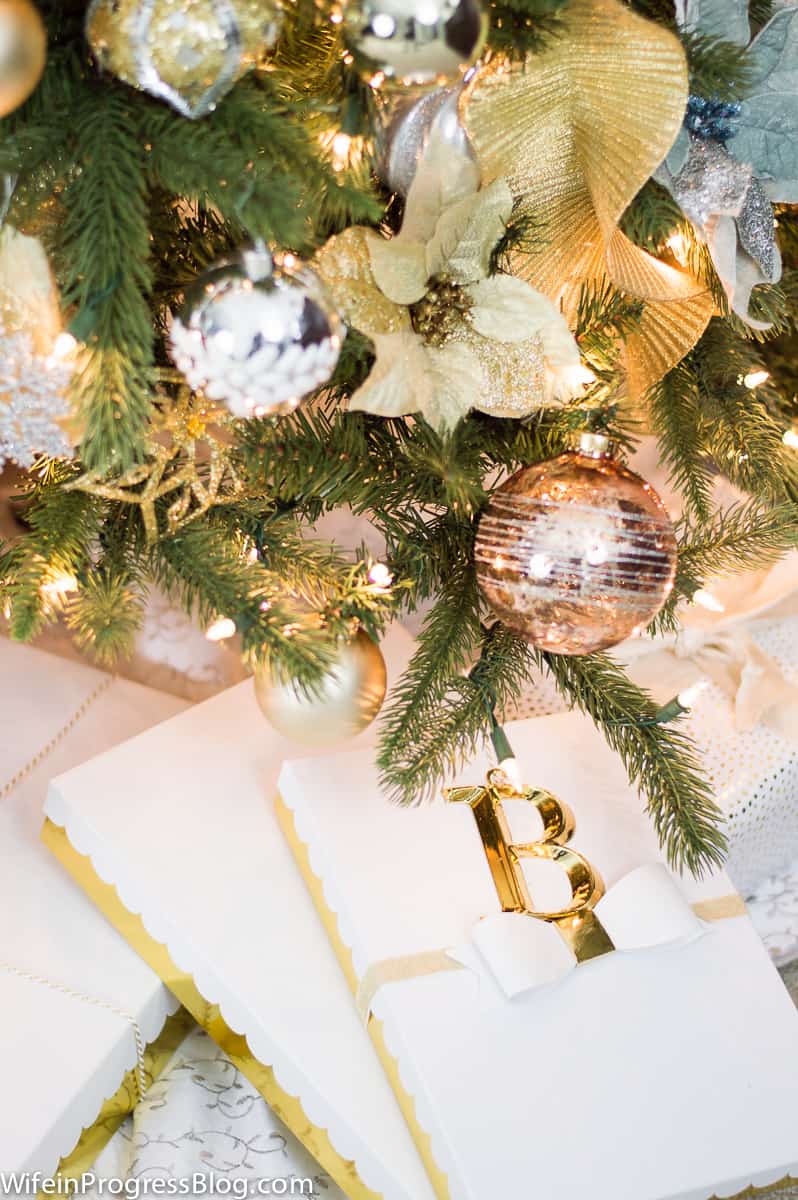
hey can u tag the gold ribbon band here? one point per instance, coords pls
(435, 962)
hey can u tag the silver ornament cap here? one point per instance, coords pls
(403, 142)
(256, 335)
(412, 42)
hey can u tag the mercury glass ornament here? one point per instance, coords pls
(257, 336)
(350, 697)
(414, 41)
(403, 143)
(576, 554)
(23, 50)
(187, 52)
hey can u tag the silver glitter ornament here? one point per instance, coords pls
(731, 212)
(33, 398)
(186, 52)
(257, 336)
(414, 41)
(406, 136)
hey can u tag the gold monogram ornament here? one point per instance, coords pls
(577, 922)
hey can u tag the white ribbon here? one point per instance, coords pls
(644, 909)
(752, 680)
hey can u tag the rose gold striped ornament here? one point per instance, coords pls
(576, 553)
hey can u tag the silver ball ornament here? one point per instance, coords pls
(414, 41)
(256, 336)
(349, 699)
(403, 143)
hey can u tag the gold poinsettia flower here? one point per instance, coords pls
(448, 335)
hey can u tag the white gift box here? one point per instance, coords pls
(175, 837)
(70, 988)
(744, 720)
(655, 1073)
(179, 826)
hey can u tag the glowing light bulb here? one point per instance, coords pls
(59, 585)
(380, 575)
(790, 438)
(220, 629)
(706, 600)
(755, 379)
(688, 697)
(677, 244)
(64, 345)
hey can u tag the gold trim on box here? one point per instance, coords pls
(438, 1179)
(96, 1136)
(770, 1189)
(712, 910)
(288, 1108)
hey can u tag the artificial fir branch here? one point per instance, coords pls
(104, 242)
(659, 759)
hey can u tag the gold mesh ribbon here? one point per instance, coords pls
(577, 130)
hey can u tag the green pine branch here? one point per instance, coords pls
(659, 759)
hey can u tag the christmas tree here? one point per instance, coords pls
(263, 260)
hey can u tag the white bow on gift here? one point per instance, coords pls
(643, 910)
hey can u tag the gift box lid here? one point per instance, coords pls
(181, 822)
(664, 1072)
(70, 988)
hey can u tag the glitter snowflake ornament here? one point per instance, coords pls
(256, 336)
(33, 397)
(35, 356)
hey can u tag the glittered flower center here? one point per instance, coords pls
(440, 314)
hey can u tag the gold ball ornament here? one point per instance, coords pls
(187, 52)
(23, 51)
(577, 553)
(349, 699)
(410, 42)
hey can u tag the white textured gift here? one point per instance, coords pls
(72, 993)
(180, 823)
(665, 1069)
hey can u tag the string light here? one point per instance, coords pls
(220, 629)
(706, 600)
(688, 697)
(790, 438)
(381, 576)
(677, 244)
(755, 379)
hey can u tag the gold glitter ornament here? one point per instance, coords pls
(23, 50)
(413, 41)
(577, 553)
(187, 52)
(576, 130)
(349, 699)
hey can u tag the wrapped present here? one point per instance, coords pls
(740, 682)
(86, 1025)
(541, 1032)
(174, 837)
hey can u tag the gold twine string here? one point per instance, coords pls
(95, 1002)
(42, 980)
(46, 750)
